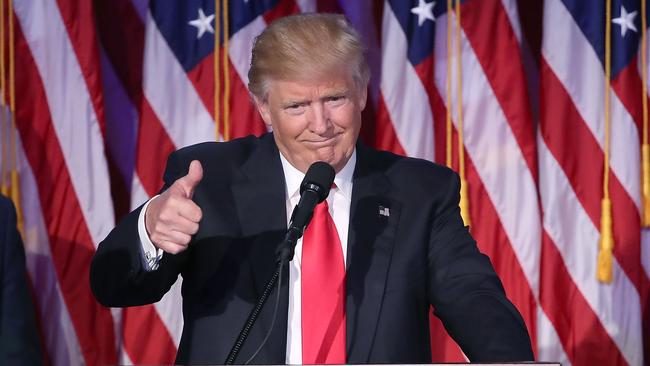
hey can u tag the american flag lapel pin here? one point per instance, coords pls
(384, 211)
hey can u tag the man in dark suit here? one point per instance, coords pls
(18, 338)
(398, 234)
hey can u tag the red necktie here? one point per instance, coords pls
(323, 291)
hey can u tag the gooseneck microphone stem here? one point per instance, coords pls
(252, 317)
(313, 190)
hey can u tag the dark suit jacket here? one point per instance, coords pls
(18, 336)
(397, 266)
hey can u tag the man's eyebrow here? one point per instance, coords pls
(337, 92)
(291, 102)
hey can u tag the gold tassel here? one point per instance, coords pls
(464, 203)
(464, 196)
(606, 243)
(15, 197)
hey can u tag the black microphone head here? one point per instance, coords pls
(319, 178)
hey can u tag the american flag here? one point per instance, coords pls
(510, 93)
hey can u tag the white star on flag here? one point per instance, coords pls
(424, 11)
(626, 20)
(202, 24)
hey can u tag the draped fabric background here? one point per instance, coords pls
(96, 94)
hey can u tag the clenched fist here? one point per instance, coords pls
(172, 218)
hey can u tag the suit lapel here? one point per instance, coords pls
(373, 222)
(259, 193)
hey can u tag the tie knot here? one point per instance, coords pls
(322, 207)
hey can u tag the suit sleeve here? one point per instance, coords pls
(19, 343)
(467, 294)
(117, 274)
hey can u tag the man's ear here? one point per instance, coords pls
(363, 97)
(264, 110)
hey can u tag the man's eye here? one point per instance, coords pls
(295, 108)
(338, 99)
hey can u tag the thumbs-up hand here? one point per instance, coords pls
(172, 218)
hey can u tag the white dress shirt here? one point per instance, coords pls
(339, 201)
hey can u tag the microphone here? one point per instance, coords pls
(314, 189)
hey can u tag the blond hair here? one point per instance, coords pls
(306, 46)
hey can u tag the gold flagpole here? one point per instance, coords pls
(606, 247)
(217, 84)
(226, 73)
(448, 156)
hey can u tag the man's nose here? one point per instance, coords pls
(319, 121)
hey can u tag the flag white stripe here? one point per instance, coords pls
(405, 96)
(240, 46)
(617, 304)
(582, 74)
(138, 195)
(307, 6)
(73, 117)
(173, 98)
(549, 345)
(170, 310)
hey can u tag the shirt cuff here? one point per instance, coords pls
(149, 254)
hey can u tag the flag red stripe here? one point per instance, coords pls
(628, 87)
(439, 112)
(581, 159)
(488, 30)
(153, 143)
(283, 8)
(244, 119)
(78, 19)
(385, 135)
(70, 241)
(146, 337)
(443, 348)
(585, 340)
(202, 78)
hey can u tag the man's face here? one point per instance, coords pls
(314, 120)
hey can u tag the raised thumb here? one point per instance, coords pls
(192, 178)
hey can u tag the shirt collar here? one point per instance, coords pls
(343, 179)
